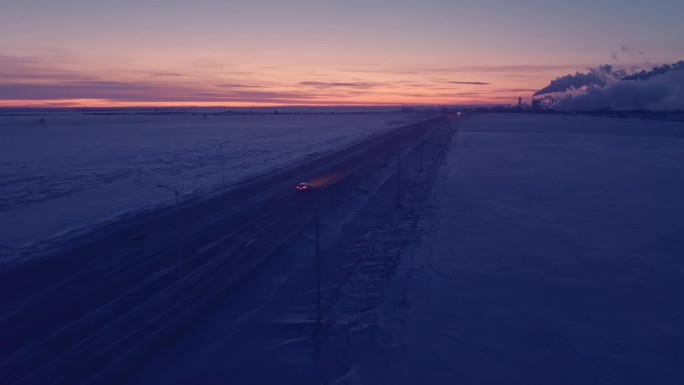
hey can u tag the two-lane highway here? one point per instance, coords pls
(102, 303)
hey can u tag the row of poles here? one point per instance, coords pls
(317, 224)
(223, 184)
(174, 190)
(318, 342)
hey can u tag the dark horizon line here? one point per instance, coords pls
(248, 107)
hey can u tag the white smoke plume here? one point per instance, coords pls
(643, 75)
(594, 77)
(661, 89)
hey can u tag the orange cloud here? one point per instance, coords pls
(50, 81)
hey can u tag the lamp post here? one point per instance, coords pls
(178, 242)
(223, 170)
(318, 278)
(318, 345)
(421, 155)
(398, 181)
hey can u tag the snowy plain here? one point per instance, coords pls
(549, 251)
(78, 171)
(552, 254)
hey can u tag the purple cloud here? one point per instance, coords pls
(338, 84)
(237, 85)
(470, 83)
(141, 92)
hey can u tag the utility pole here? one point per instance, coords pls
(421, 157)
(318, 349)
(318, 278)
(179, 255)
(223, 171)
(398, 180)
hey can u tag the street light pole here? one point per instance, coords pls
(421, 156)
(178, 242)
(318, 278)
(318, 352)
(398, 181)
(223, 170)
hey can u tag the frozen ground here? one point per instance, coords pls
(544, 250)
(264, 331)
(77, 171)
(552, 254)
(103, 303)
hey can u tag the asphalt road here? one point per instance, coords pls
(97, 306)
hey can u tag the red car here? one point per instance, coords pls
(304, 186)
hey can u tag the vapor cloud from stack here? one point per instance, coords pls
(661, 88)
(643, 75)
(595, 77)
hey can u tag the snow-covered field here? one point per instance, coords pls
(77, 171)
(553, 254)
(548, 250)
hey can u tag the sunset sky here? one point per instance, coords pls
(268, 52)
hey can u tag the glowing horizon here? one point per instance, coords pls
(270, 53)
(33, 81)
